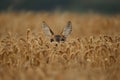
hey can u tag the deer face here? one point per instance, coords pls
(59, 37)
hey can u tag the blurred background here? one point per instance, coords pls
(103, 6)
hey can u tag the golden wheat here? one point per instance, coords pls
(91, 52)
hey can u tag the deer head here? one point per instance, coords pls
(57, 37)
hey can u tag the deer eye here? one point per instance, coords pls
(51, 40)
(62, 39)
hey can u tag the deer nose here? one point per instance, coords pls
(57, 38)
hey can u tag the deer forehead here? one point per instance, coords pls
(57, 36)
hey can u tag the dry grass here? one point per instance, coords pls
(91, 52)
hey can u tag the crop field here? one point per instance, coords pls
(91, 51)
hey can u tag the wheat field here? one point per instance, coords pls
(91, 52)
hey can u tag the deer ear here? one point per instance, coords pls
(67, 30)
(46, 29)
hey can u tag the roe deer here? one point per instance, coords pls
(57, 37)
